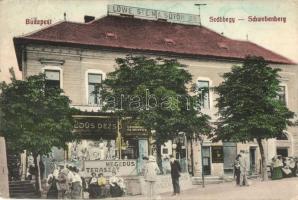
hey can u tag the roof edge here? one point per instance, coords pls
(20, 42)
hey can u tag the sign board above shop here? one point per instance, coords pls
(152, 14)
(106, 126)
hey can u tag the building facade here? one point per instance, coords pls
(78, 56)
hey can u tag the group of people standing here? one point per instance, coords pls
(283, 167)
(65, 182)
(151, 170)
(241, 169)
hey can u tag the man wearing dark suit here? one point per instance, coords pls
(175, 174)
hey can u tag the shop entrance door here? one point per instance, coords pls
(206, 160)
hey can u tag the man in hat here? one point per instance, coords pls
(175, 174)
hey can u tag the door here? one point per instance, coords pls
(230, 153)
(252, 159)
(206, 160)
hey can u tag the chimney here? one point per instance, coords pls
(88, 18)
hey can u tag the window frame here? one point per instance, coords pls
(205, 79)
(286, 93)
(54, 68)
(92, 71)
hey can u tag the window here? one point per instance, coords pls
(283, 151)
(52, 78)
(281, 95)
(203, 88)
(282, 136)
(94, 86)
(217, 154)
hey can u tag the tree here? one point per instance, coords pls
(154, 93)
(34, 117)
(248, 106)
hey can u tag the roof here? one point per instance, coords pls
(147, 35)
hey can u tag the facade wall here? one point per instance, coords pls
(4, 189)
(77, 62)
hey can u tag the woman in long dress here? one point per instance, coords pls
(76, 191)
(53, 190)
(150, 176)
(277, 166)
(115, 189)
(93, 187)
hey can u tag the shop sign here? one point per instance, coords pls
(95, 124)
(153, 14)
(121, 167)
(107, 126)
(135, 130)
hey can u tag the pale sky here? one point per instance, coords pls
(279, 37)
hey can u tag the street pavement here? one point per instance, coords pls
(284, 189)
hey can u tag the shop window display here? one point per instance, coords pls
(92, 150)
(102, 150)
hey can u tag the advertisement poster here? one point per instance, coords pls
(129, 92)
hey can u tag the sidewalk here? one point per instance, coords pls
(284, 189)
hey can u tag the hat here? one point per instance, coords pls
(145, 158)
(151, 158)
(64, 171)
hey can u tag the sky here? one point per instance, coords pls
(279, 37)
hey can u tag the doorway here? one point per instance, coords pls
(230, 153)
(206, 160)
(252, 159)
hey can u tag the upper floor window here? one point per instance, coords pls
(94, 86)
(52, 78)
(281, 95)
(204, 97)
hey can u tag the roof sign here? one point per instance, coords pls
(152, 14)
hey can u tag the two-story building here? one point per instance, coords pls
(77, 57)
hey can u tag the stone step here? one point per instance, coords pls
(253, 176)
(20, 185)
(17, 190)
(25, 196)
(207, 182)
(206, 177)
(19, 182)
(22, 189)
